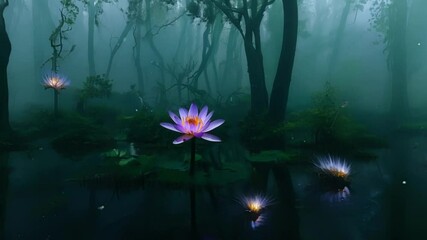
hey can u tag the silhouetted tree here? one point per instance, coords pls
(389, 18)
(282, 81)
(94, 9)
(246, 16)
(5, 50)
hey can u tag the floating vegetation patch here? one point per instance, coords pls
(231, 172)
(275, 156)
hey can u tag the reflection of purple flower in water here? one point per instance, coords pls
(336, 196)
(55, 81)
(193, 124)
(334, 167)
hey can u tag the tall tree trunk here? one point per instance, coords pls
(282, 81)
(153, 47)
(117, 46)
(90, 43)
(137, 50)
(206, 52)
(397, 60)
(255, 63)
(338, 37)
(41, 18)
(231, 61)
(5, 50)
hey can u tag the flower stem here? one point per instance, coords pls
(55, 102)
(193, 156)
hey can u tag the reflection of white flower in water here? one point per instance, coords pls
(336, 196)
(259, 221)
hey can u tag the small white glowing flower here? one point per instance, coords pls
(55, 81)
(255, 206)
(256, 203)
(333, 166)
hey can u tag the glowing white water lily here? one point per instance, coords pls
(333, 167)
(55, 81)
(255, 204)
(193, 124)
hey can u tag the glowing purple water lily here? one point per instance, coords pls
(193, 124)
(55, 81)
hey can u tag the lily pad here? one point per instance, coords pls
(126, 161)
(115, 153)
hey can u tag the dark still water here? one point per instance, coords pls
(386, 200)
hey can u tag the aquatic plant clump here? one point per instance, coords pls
(193, 124)
(55, 81)
(333, 167)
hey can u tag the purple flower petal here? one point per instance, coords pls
(208, 117)
(210, 137)
(169, 126)
(180, 128)
(182, 139)
(213, 125)
(193, 111)
(175, 118)
(183, 113)
(203, 113)
(198, 134)
(193, 128)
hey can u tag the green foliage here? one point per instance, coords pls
(80, 134)
(115, 153)
(328, 127)
(258, 133)
(144, 127)
(380, 17)
(96, 87)
(69, 11)
(99, 7)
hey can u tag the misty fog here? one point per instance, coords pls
(359, 72)
(317, 109)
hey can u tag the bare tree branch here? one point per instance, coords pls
(228, 11)
(150, 31)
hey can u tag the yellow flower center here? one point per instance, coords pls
(338, 173)
(55, 80)
(194, 121)
(254, 206)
